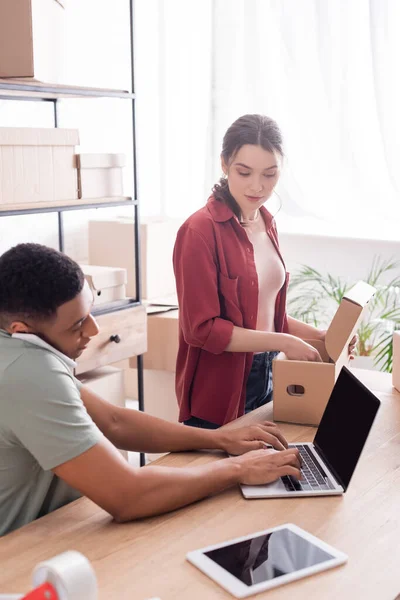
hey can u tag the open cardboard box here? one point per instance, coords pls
(302, 389)
(396, 361)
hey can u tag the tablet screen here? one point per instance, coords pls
(268, 556)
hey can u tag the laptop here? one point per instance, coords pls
(328, 463)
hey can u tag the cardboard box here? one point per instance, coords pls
(37, 165)
(302, 389)
(32, 39)
(112, 243)
(159, 392)
(162, 342)
(108, 283)
(159, 396)
(396, 361)
(100, 175)
(109, 384)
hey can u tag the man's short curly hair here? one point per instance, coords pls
(34, 281)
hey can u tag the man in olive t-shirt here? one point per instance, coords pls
(43, 423)
(58, 440)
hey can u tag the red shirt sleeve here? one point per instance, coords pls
(197, 287)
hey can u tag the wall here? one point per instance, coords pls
(339, 256)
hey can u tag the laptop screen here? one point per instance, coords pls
(345, 425)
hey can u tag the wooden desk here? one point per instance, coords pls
(136, 561)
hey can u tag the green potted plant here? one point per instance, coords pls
(314, 297)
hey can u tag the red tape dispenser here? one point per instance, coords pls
(43, 592)
(68, 576)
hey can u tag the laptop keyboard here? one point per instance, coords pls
(314, 478)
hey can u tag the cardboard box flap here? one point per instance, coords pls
(99, 277)
(347, 318)
(33, 136)
(100, 161)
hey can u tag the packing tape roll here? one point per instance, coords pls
(70, 573)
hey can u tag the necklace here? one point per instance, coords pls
(256, 217)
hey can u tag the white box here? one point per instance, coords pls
(112, 243)
(108, 283)
(100, 175)
(37, 165)
(32, 39)
(396, 361)
(109, 384)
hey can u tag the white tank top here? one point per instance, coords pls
(270, 272)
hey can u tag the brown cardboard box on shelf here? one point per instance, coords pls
(108, 283)
(162, 342)
(100, 175)
(396, 361)
(32, 39)
(109, 383)
(37, 165)
(302, 389)
(112, 243)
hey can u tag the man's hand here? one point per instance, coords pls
(265, 466)
(251, 437)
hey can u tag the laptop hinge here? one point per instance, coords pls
(328, 464)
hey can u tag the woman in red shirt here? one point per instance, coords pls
(231, 283)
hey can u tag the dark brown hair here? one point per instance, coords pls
(257, 130)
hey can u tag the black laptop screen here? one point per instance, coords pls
(345, 425)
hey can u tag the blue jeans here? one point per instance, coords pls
(258, 388)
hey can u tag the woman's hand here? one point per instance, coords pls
(251, 437)
(352, 346)
(296, 349)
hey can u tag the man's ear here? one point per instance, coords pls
(19, 327)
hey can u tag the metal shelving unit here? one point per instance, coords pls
(34, 91)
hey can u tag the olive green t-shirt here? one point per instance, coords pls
(43, 423)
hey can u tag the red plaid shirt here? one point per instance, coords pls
(217, 287)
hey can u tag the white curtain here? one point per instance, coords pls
(326, 70)
(173, 40)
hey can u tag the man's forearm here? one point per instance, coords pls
(137, 431)
(161, 489)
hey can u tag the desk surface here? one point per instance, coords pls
(144, 559)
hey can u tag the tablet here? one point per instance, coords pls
(265, 559)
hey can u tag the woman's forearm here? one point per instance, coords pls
(249, 340)
(305, 331)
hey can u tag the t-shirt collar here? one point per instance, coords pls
(37, 341)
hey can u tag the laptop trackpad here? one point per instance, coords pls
(267, 489)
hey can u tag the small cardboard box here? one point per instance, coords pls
(109, 384)
(162, 342)
(112, 243)
(37, 165)
(100, 175)
(302, 389)
(396, 361)
(108, 283)
(32, 39)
